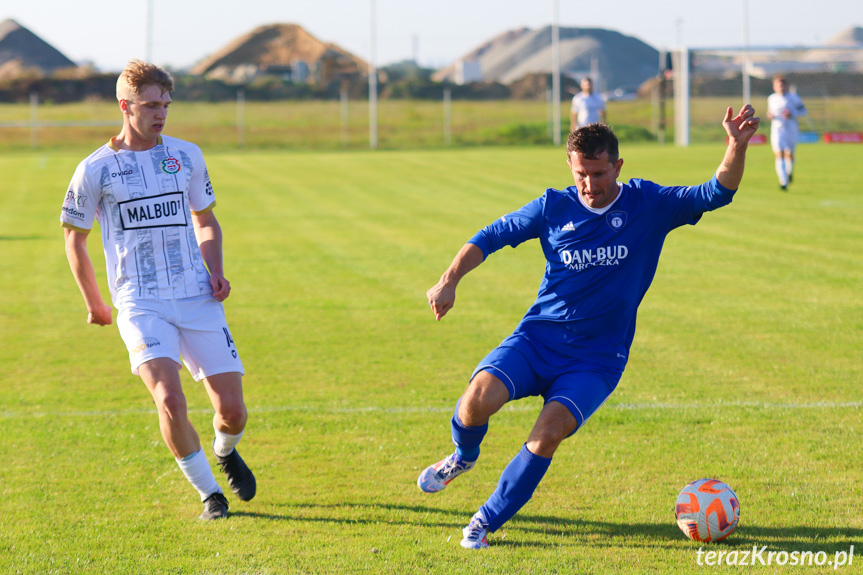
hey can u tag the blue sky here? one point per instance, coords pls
(109, 33)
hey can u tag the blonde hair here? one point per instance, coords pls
(139, 74)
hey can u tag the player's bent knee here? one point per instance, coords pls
(484, 397)
(487, 389)
(546, 444)
(552, 437)
(555, 424)
(544, 447)
(173, 404)
(233, 415)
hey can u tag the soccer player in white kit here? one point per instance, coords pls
(152, 197)
(783, 109)
(587, 107)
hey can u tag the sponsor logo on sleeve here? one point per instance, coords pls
(153, 212)
(208, 186)
(73, 213)
(73, 197)
(71, 204)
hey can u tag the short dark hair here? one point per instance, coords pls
(592, 140)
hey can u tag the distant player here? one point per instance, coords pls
(587, 106)
(152, 197)
(783, 109)
(601, 240)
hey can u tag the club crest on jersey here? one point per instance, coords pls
(171, 165)
(616, 219)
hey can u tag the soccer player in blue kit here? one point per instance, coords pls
(601, 240)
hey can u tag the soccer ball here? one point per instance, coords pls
(707, 510)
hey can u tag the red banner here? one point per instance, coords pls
(843, 137)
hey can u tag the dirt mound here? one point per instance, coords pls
(281, 48)
(617, 60)
(22, 51)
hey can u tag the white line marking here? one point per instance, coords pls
(376, 409)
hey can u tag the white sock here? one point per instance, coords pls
(197, 470)
(780, 171)
(789, 166)
(225, 443)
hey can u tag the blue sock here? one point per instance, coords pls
(467, 439)
(515, 488)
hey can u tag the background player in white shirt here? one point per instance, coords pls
(587, 107)
(783, 109)
(163, 248)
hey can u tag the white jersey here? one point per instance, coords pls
(143, 202)
(587, 107)
(778, 105)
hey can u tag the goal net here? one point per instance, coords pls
(829, 80)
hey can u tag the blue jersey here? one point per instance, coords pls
(599, 263)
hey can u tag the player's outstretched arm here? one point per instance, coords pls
(98, 312)
(441, 296)
(740, 129)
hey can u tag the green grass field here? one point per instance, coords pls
(746, 367)
(402, 124)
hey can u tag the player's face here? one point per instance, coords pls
(779, 86)
(587, 86)
(148, 112)
(595, 179)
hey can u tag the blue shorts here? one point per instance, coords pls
(530, 363)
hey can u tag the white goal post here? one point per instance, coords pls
(828, 79)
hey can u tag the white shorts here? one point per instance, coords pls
(193, 329)
(783, 139)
